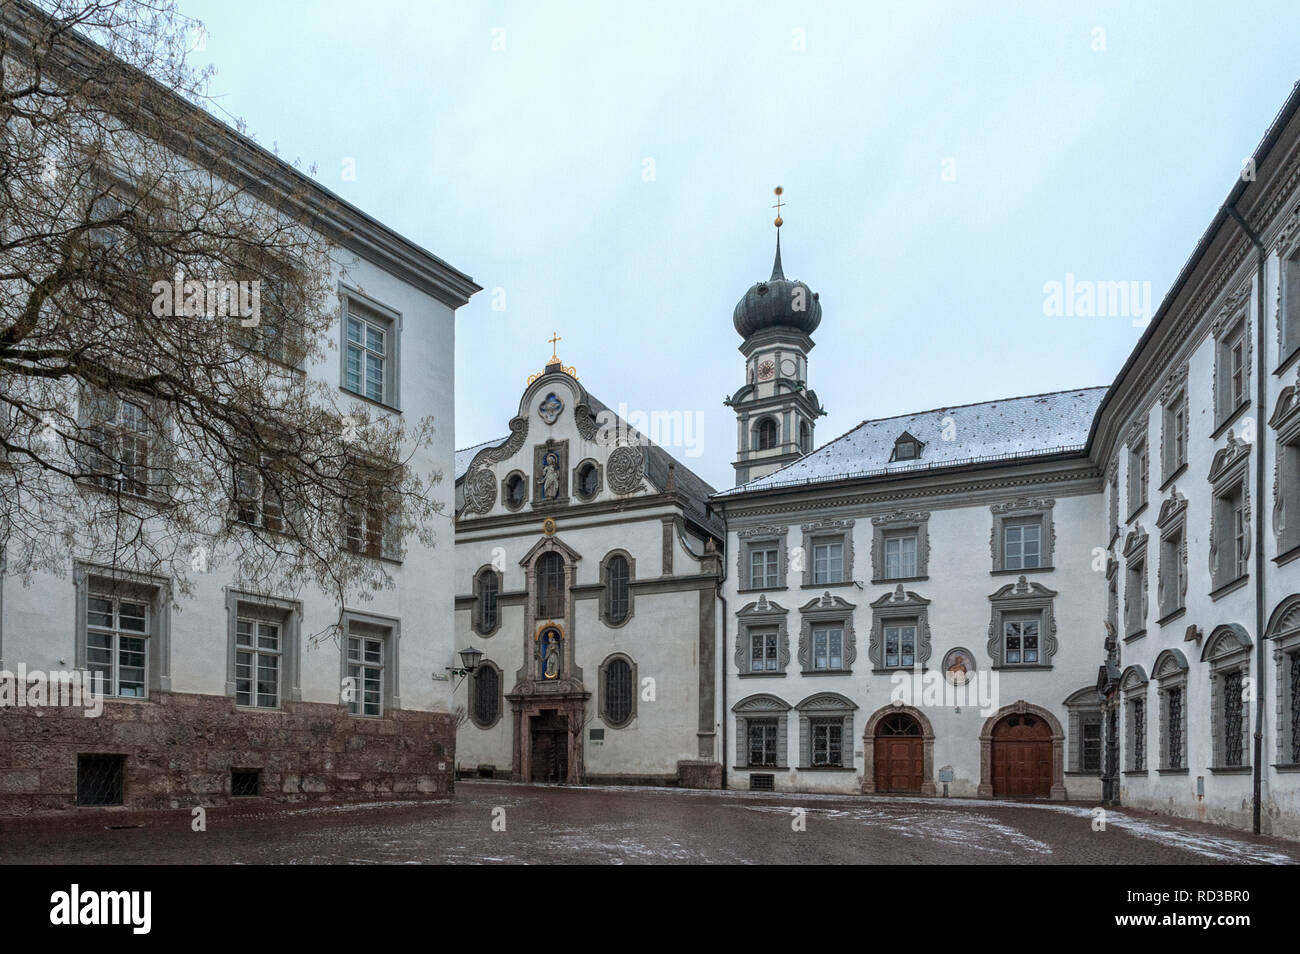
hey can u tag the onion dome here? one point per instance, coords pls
(777, 303)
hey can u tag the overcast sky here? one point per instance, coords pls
(610, 171)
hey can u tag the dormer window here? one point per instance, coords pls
(906, 447)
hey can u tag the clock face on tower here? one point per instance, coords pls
(766, 370)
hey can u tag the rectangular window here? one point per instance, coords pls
(1022, 546)
(257, 499)
(1021, 638)
(1289, 315)
(1139, 735)
(117, 643)
(1231, 372)
(900, 556)
(366, 674)
(367, 352)
(119, 443)
(1231, 529)
(900, 645)
(1135, 584)
(763, 651)
(827, 739)
(1173, 573)
(828, 562)
(1233, 721)
(762, 569)
(257, 663)
(1175, 424)
(761, 735)
(1174, 728)
(828, 648)
(1090, 744)
(1139, 476)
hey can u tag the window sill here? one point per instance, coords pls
(1028, 569)
(760, 768)
(1229, 587)
(1029, 667)
(1137, 512)
(764, 589)
(1228, 421)
(761, 675)
(891, 580)
(826, 672)
(1229, 769)
(1182, 469)
(1286, 766)
(826, 768)
(1287, 362)
(1083, 773)
(369, 400)
(1170, 617)
(1286, 556)
(1134, 636)
(825, 586)
(1172, 771)
(1134, 773)
(887, 670)
(396, 561)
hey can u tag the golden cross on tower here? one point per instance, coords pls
(778, 191)
(552, 339)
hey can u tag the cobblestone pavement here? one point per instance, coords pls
(637, 825)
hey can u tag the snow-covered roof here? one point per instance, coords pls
(465, 456)
(1008, 429)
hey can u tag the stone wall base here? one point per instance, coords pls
(180, 750)
(697, 773)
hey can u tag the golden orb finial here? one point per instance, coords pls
(778, 221)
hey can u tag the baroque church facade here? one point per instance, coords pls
(1088, 595)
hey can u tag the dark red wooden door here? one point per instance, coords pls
(899, 755)
(1022, 757)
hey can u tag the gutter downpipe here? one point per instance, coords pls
(1261, 389)
(722, 656)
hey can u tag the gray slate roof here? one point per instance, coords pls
(465, 456)
(1008, 429)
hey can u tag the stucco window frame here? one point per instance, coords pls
(899, 605)
(1023, 511)
(817, 613)
(896, 525)
(1228, 650)
(1137, 583)
(605, 594)
(505, 490)
(577, 483)
(375, 312)
(477, 622)
(1081, 705)
(157, 591)
(761, 538)
(472, 699)
(391, 628)
(827, 706)
(762, 706)
(1172, 574)
(1233, 323)
(1134, 685)
(824, 532)
(1229, 471)
(763, 615)
(1169, 673)
(603, 691)
(1023, 597)
(1283, 632)
(288, 613)
(1285, 424)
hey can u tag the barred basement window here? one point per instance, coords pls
(100, 779)
(1232, 727)
(827, 736)
(244, 783)
(1139, 735)
(762, 741)
(257, 663)
(550, 586)
(762, 783)
(487, 690)
(617, 571)
(618, 692)
(1174, 730)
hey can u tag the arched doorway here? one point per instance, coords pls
(1022, 756)
(899, 756)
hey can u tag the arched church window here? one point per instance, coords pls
(618, 691)
(766, 434)
(486, 702)
(588, 480)
(489, 589)
(550, 586)
(805, 438)
(617, 587)
(516, 491)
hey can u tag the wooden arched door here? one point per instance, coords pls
(900, 763)
(1022, 756)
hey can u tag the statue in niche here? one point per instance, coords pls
(550, 654)
(550, 476)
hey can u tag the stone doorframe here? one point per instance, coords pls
(528, 706)
(1021, 707)
(928, 786)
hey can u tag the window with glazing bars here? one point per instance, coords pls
(900, 557)
(1021, 546)
(763, 651)
(257, 663)
(366, 356)
(762, 569)
(486, 690)
(762, 741)
(117, 643)
(900, 645)
(366, 670)
(828, 648)
(1232, 719)
(618, 691)
(617, 571)
(550, 586)
(827, 736)
(1174, 731)
(488, 591)
(1090, 744)
(828, 563)
(1021, 642)
(1139, 735)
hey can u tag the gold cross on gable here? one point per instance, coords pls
(778, 191)
(554, 338)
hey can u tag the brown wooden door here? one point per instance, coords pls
(550, 749)
(899, 755)
(1022, 757)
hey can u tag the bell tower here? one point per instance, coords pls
(776, 411)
